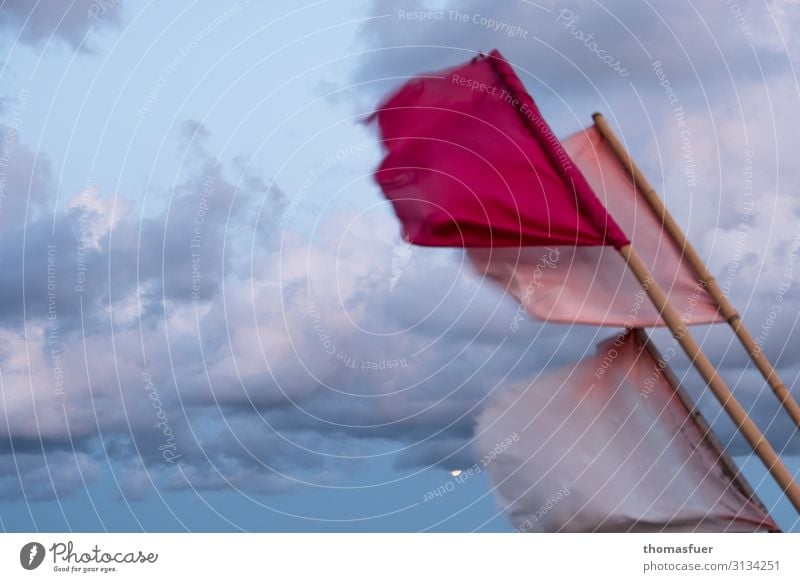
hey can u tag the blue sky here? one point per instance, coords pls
(139, 128)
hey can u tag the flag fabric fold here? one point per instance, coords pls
(470, 162)
(592, 285)
(609, 445)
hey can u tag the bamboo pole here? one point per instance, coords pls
(679, 330)
(712, 287)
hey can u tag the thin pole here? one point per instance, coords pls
(690, 255)
(680, 332)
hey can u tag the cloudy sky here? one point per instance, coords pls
(208, 320)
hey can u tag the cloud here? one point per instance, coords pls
(70, 22)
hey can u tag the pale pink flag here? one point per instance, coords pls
(608, 445)
(592, 285)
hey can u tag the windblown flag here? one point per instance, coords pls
(608, 444)
(471, 163)
(593, 285)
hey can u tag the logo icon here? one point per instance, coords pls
(31, 555)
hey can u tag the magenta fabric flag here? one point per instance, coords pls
(470, 162)
(593, 285)
(607, 445)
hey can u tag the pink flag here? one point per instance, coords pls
(592, 285)
(609, 445)
(471, 162)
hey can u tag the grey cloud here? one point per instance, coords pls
(572, 46)
(70, 22)
(34, 476)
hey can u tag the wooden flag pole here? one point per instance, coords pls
(694, 260)
(680, 331)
